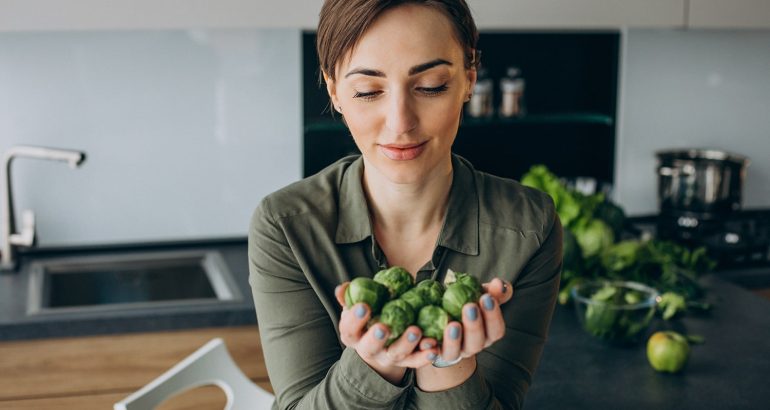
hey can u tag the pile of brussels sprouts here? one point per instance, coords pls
(396, 302)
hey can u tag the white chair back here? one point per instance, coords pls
(211, 364)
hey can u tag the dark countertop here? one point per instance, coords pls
(16, 324)
(728, 371)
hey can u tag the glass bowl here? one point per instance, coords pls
(616, 311)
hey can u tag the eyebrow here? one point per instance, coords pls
(412, 71)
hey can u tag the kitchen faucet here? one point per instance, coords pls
(27, 235)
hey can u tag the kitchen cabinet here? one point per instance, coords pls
(571, 89)
(733, 14)
(23, 15)
(40, 15)
(578, 14)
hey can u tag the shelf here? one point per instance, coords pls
(468, 122)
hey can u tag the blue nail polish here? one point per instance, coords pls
(489, 304)
(360, 311)
(378, 333)
(411, 337)
(472, 313)
(454, 332)
(432, 356)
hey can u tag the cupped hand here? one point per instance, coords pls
(370, 343)
(482, 323)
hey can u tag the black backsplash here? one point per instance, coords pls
(571, 80)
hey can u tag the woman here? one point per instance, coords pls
(399, 72)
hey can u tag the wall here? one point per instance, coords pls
(185, 130)
(692, 89)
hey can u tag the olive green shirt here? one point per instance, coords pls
(310, 236)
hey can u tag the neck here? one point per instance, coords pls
(406, 209)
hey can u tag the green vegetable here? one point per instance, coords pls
(398, 280)
(432, 291)
(463, 278)
(621, 256)
(667, 351)
(593, 236)
(433, 320)
(367, 291)
(427, 292)
(456, 296)
(607, 317)
(671, 303)
(397, 315)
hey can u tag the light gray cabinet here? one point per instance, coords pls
(732, 14)
(578, 14)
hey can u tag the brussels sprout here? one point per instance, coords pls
(367, 291)
(456, 296)
(464, 278)
(397, 315)
(415, 297)
(432, 291)
(433, 320)
(396, 279)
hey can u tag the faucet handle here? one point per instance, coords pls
(27, 235)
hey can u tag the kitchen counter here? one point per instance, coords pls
(729, 370)
(17, 324)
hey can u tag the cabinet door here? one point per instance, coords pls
(750, 14)
(585, 14)
(26, 15)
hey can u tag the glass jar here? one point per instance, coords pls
(512, 94)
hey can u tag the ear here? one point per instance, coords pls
(471, 75)
(331, 89)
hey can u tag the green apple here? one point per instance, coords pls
(667, 351)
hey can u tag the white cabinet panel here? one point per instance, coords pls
(25, 15)
(749, 14)
(31, 15)
(514, 14)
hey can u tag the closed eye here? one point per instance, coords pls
(433, 91)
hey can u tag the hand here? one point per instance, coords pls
(392, 361)
(482, 323)
(472, 336)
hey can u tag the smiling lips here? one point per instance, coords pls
(402, 152)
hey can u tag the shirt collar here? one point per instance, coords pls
(461, 226)
(353, 209)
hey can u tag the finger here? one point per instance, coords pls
(499, 289)
(453, 338)
(428, 343)
(494, 325)
(404, 345)
(339, 292)
(373, 341)
(421, 358)
(353, 323)
(474, 333)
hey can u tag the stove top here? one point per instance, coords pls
(736, 241)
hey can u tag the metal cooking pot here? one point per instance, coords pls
(706, 182)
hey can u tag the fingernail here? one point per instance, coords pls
(410, 336)
(489, 304)
(360, 311)
(472, 313)
(427, 345)
(378, 333)
(432, 356)
(454, 332)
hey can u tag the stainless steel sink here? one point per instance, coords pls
(129, 281)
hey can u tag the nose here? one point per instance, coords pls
(401, 117)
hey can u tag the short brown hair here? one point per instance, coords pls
(343, 22)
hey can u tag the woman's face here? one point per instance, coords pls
(401, 91)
